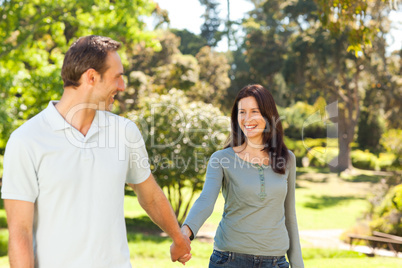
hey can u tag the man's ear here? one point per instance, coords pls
(90, 76)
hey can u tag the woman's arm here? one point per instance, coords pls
(294, 252)
(204, 205)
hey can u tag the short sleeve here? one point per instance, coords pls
(20, 181)
(139, 168)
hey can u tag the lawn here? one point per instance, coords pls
(323, 201)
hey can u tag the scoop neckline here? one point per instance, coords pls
(253, 164)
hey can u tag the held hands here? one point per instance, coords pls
(180, 249)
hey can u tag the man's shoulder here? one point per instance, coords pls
(31, 127)
(122, 124)
(119, 120)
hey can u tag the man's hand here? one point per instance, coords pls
(154, 202)
(180, 250)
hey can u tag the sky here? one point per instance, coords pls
(186, 14)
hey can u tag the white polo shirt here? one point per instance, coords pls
(77, 185)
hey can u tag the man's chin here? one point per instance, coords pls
(105, 106)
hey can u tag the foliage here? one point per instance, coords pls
(296, 44)
(302, 120)
(389, 161)
(3, 242)
(387, 217)
(189, 43)
(180, 136)
(353, 17)
(364, 159)
(391, 140)
(204, 77)
(214, 79)
(210, 27)
(297, 147)
(36, 34)
(370, 128)
(1, 166)
(321, 156)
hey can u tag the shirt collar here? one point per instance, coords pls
(57, 122)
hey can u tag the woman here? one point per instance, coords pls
(257, 175)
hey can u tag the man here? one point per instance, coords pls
(65, 171)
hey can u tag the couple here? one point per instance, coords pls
(64, 200)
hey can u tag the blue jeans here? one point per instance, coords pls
(233, 259)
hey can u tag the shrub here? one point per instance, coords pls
(387, 217)
(364, 159)
(296, 120)
(297, 147)
(370, 129)
(320, 156)
(391, 140)
(1, 166)
(386, 161)
(3, 243)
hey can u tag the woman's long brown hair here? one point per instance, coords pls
(273, 142)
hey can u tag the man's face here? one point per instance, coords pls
(111, 82)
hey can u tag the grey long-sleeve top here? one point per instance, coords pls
(251, 223)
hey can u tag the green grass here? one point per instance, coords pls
(377, 262)
(322, 197)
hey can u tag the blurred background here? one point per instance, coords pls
(334, 68)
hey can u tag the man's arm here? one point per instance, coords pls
(20, 216)
(154, 202)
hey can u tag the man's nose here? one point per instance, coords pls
(121, 86)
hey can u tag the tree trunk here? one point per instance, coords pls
(345, 136)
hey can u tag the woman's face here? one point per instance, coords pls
(251, 120)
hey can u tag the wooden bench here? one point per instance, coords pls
(392, 241)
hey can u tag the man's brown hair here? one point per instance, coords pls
(87, 52)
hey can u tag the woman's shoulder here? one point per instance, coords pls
(291, 159)
(291, 154)
(223, 153)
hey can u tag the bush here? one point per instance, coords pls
(391, 140)
(387, 161)
(387, 217)
(296, 121)
(320, 156)
(3, 243)
(1, 166)
(364, 159)
(370, 129)
(297, 147)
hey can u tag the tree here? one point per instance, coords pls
(204, 77)
(189, 43)
(312, 61)
(180, 136)
(354, 17)
(36, 34)
(210, 27)
(213, 79)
